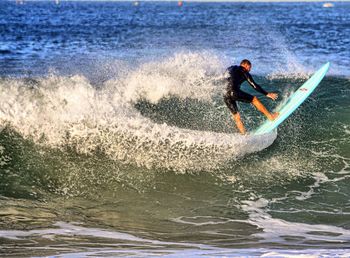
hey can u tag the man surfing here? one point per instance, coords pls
(238, 75)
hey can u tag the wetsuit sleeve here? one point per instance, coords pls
(252, 83)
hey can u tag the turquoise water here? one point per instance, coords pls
(115, 140)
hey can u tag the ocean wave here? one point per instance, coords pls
(61, 111)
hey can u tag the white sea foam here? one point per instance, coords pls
(319, 179)
(4, 159)
(185, 75)
(61, 110)
(147, 247)
(278, 230)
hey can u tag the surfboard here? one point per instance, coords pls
(294, 101)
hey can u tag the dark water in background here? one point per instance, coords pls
(115, 139)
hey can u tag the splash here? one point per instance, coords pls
(290, 67)
(185, 75)
(61, 111)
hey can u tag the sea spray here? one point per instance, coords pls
(61, 111)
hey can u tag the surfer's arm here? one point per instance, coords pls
(256, 86)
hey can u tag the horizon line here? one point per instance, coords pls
(208, 1)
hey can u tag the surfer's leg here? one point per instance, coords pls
(262, 109)
(240, 126)
(232, 106)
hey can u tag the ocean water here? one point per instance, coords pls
(115, 140)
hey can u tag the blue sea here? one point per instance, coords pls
(115, 140)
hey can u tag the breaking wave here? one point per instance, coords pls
(60, 111)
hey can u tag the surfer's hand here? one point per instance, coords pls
(272, 95)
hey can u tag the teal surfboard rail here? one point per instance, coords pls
(294, 101)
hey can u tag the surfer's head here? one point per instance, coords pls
(246, 64)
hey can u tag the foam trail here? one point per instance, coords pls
(277, 230)
(69, 229)
(148, 247)
(60, 111)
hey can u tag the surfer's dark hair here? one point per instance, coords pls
(246, 62)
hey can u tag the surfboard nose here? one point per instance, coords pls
(295, 100)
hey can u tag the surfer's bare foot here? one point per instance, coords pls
(273, 116)
(243, 133)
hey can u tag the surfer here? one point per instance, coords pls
(239, 74)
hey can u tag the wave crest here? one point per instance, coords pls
(68, 110)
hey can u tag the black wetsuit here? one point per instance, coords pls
(238, 75)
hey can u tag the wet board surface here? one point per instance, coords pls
(294, 101)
